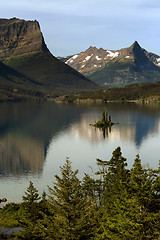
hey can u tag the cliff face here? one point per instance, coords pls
(19, 37)
(27, 62)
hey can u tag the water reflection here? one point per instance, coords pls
(26, 130)
(136, 122)
(20, 154)
(35, 139)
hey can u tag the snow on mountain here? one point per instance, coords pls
(70, 60)
(87, 58)
(112, 54)
(98, 58)
(158, 61)
(94, 59)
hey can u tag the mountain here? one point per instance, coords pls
(27, 62)
(16, 86)
(117, 68)
(19, 37)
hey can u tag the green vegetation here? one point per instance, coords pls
(123, 71)
(135, 92)
(15, 62)
(105, 122)
(116, 203)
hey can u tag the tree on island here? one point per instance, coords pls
(105, 122)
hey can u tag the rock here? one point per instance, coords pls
(3, 200)
(19, 37)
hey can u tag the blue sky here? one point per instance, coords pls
(71, 26)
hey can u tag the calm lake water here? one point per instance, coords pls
(36, 138)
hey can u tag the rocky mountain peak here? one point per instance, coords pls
(135, 44)
(91, 50)
(134, 48)
(19, 37)
(124, 65)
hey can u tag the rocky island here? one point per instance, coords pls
(105, 122)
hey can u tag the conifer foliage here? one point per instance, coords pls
(116, 203)
(74, 214)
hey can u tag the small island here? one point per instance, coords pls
(105, 122)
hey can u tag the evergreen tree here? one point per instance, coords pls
(132, 210)
(103, 117)
(31, 208)
(100, 183)
(30, 202)
(116, 178)
(115, 194)
(146, 195)
(106, 116)
(74, 213)
(89, 187)
(117, 172)
(31, 195)
(121, 204)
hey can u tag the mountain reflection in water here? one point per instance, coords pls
(25, 132)
(35, 138)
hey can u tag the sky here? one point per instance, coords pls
(72, 26)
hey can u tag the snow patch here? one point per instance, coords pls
(87, 58)
(98, 58)
(75, 56)
(158, 62)
(95, 65)
(83, 66)
(67, 61)
(127, 57)
(70, 60)
(112, 54)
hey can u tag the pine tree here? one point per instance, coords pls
(74, 214)
(132, 210)
(31, 208)
(146, 195)
(101, 183)
(30, 202)
(103, 117)
(89, 187)
(31, 195)
(117, 171)
(114, 201)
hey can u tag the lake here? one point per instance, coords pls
(36, 138)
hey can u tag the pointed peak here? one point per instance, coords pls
(91, 47)
(136, 44)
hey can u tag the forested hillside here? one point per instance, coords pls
(140, 92)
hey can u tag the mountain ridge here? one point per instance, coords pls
(116, 67)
